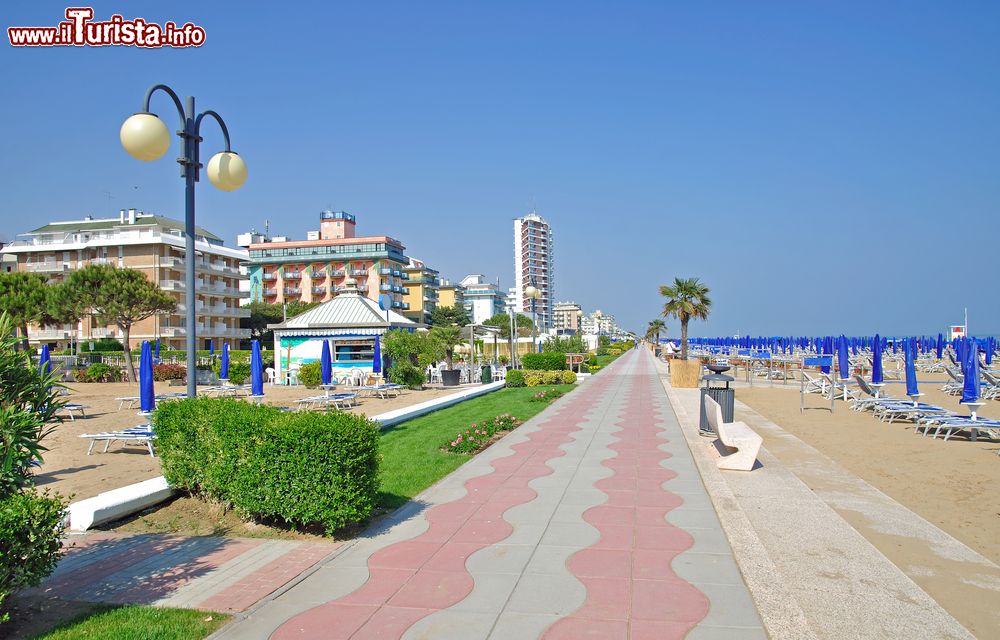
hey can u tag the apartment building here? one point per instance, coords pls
(153, 245)
(599, 323)
(8, 262)
(422, 294)
(483, 299)
(566, 318)
(313, 270)
(450, 294)
(533, 266)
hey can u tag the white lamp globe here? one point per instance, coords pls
(530, 291)
(227, 171)
(145, 137)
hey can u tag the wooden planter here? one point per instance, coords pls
(685, 374)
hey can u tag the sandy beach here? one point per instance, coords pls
(68, 470)
(951, 484)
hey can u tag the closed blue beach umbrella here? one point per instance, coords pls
(877, 360)
(224, 365)
(990, 345)
(970, 384)
(377, 356)
(45, 360)
(324, 362)
(211, 346)
(256, 370)
(911, 367)
(147, 396)
(843, 360)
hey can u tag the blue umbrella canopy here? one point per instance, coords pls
(843, 359)
(910, 349)
(45, 360)
(324, 362)
(377, 356)
(224, 365)
(970, 384)
(877, 360)
(256, 370)
(147, 397)
(827, 349)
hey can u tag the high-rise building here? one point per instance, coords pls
(153, 245)
(483, 299)
(314, 269)
(533, 266)
(422, 296)
(566, 317)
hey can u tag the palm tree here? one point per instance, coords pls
(687, 298)
(655, 328)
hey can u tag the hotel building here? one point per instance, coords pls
(483, 299)
(566, 317)
(450, 294)
(422, 294)
(314, 269)
(153, 245)
(533, 266)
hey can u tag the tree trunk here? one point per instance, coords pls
(684, 339)
(24, 336)
(447, 358)
(129, 369)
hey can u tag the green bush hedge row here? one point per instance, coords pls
(299, 468)
(550, 361)
(31, 527)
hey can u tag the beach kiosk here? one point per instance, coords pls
(349, 322)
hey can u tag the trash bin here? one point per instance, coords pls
(486, 375)
(716, 387)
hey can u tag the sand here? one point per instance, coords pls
(68, 470)
(952, 484)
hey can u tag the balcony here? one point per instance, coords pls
(292, 275)
(48, 334)
(404, 276)
(397, 273)
(47, 267)
(292, 291)
(102, 332)
(171, 262)
(385, 272)
(317, 274)
(270, 292)
(359, 272)
(320, 290)
(267, 277)
(171, 285)
(337, 274)
(385, 287)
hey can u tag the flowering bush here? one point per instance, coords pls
(547, 395)
(479, 434)
(169, 372)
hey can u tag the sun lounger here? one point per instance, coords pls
(142, 434)
(70, 409)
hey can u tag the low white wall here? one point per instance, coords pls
(117, 503)
(390, 418)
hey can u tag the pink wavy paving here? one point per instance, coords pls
(632, 591)
(409, 580)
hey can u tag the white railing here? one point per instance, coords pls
(47, 267)
(48, 334)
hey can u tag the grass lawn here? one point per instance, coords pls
(135, 622)
(412, 456)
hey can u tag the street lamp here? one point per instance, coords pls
(532, 292)
(145, 137)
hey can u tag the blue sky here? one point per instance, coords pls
(823, 167)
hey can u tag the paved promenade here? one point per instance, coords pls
(590, 521)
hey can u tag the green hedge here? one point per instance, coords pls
(30, 540)
(406, 373)
(515, 378)
(549, 361)
(300, 468)
(239, 372)
(311, 374)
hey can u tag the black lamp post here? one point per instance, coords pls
(146, 138)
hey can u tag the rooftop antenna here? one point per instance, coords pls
(107, 194)
(267, 228)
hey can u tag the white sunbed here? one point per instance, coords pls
(72, 408)
(142, 434)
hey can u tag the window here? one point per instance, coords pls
(353, 351)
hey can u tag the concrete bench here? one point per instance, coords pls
(117, 503)
(741, 440)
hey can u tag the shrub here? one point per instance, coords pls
(534, 378)
(311, 374)
(100, 372)
(515, 378)
(478, 435)
(31, 527)
(584, 368)
(402, 372)
(239, 371)
(299, 468)
(602, 351)
(592, 360)
(169, 372)
(106, 344)
(568, 377)
(550, 361)
(552, 377)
